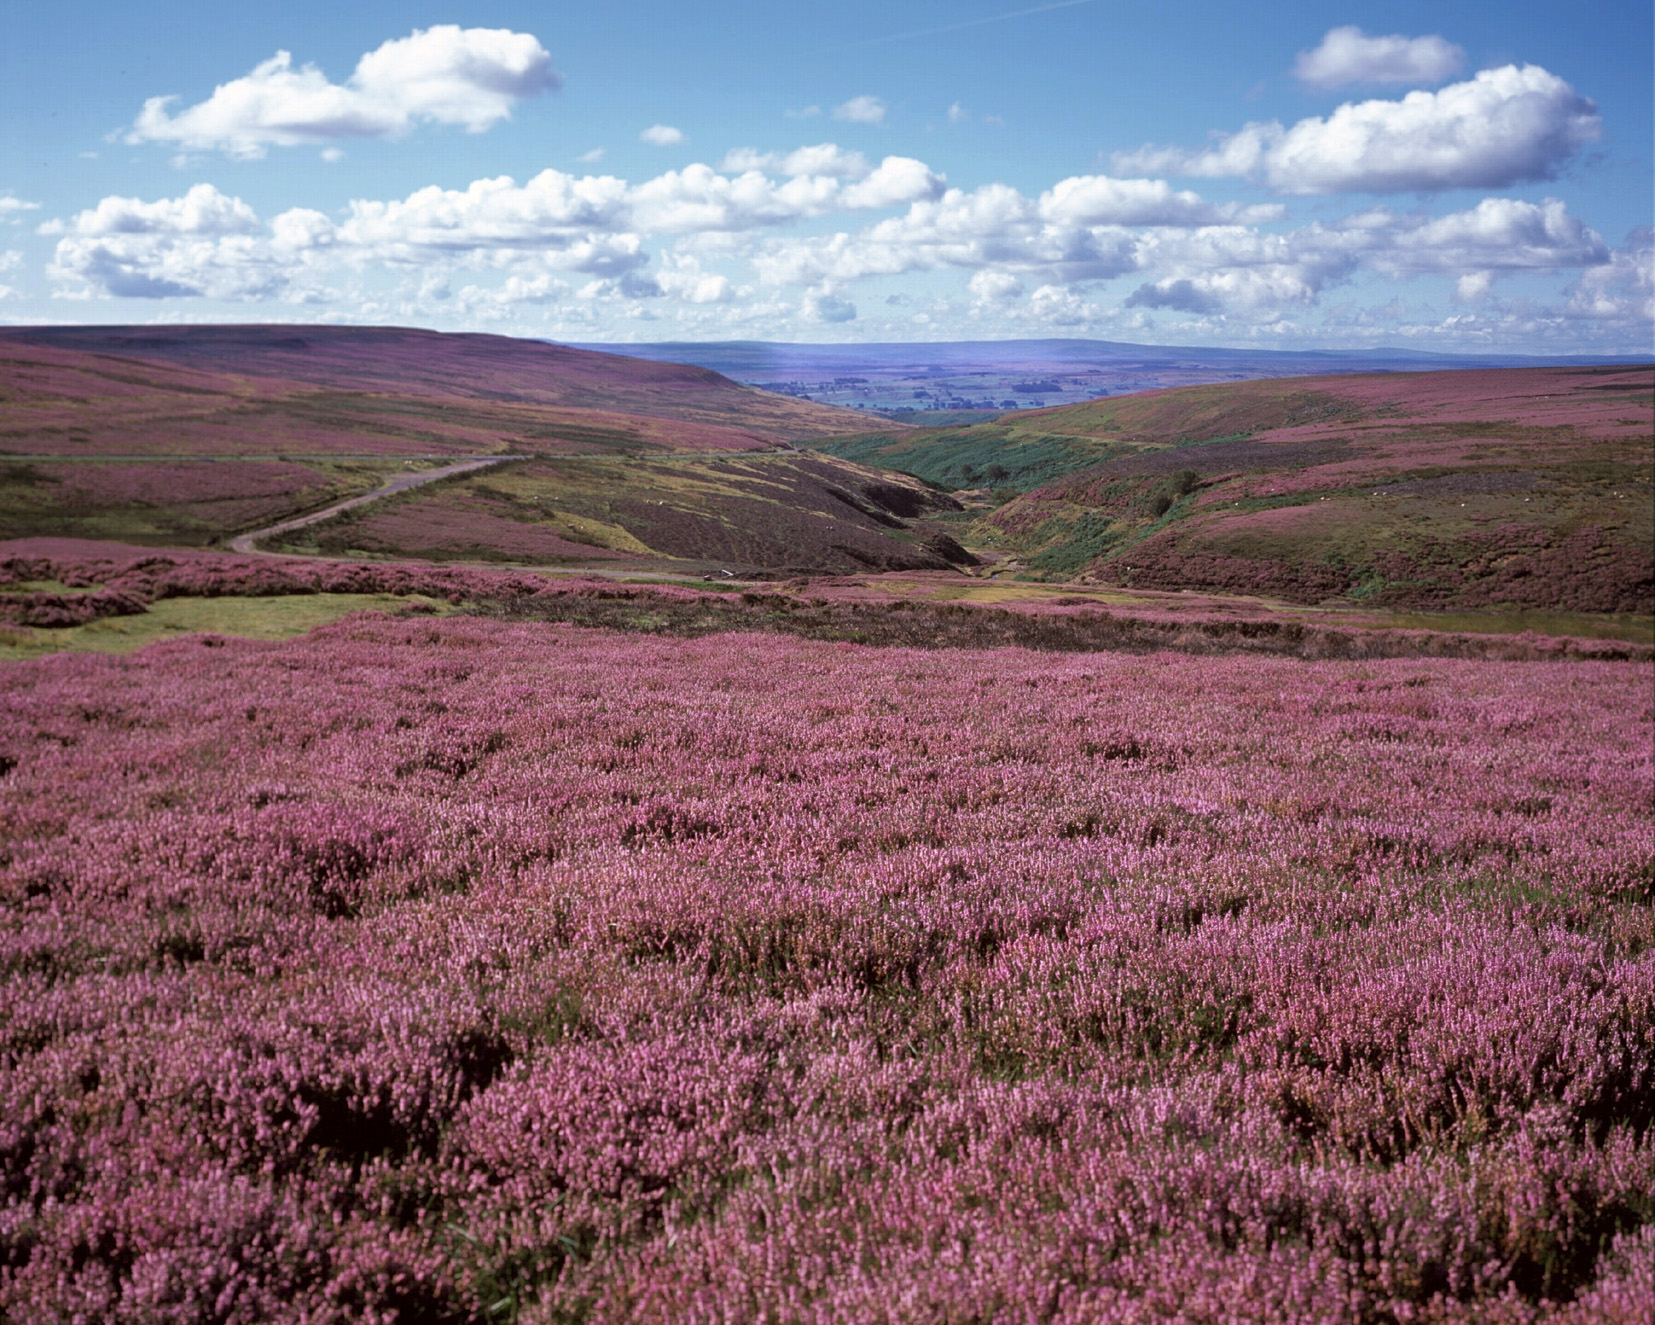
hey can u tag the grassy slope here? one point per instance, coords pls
(1527, 488)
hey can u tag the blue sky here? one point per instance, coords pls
(1288, 175)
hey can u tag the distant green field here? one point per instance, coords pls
(991, 455)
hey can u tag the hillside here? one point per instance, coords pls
(190, 436)
(1520, 487)
(777, 512)
(493, 385)
(1030, 447)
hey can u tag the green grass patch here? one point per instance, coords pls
(1088, 538)
(1183, 442)
(46, 586)
(986, 455)
(269, 618)
(1286, 499)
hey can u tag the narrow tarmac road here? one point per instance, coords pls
(246, 544)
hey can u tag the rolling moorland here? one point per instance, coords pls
(771, 513)
(1529, 488)
(425, 925)
(1499, 490)
(361, 389)
(189, 436)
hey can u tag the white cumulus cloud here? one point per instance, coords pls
(1102, 200)
(895, 181)
(1348, 55)
(1498, 234)
(445, 74)
(1238, 289)
(825, 306)
(861, 110)
(514, 292)
(1058, 307)
(820, 159)
(1225, 269)
(128, 267)
(995, 287)
(552, 211)
(698, 198)
(1078, 230)
(683, 277)
(202, 244)
(662, 135)
(992, 226)
(1181, 294)
(700, 244)
(1621, 289)
(1504, 126)
(203, 210)
(1235, 267)
(594, 224)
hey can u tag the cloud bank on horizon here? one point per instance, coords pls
(1389, 216)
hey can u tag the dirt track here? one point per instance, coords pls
(247, 544)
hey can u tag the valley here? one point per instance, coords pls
(1472, 489)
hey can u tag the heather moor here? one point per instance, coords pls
(590, 937)
(425, 965)
(884, 663)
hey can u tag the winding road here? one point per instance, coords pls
(247, 544)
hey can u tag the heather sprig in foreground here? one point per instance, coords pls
(467, 970)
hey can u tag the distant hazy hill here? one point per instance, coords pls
(962, 380)
(743, 359)
(1528, 487)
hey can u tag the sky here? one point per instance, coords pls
(1290, 175)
